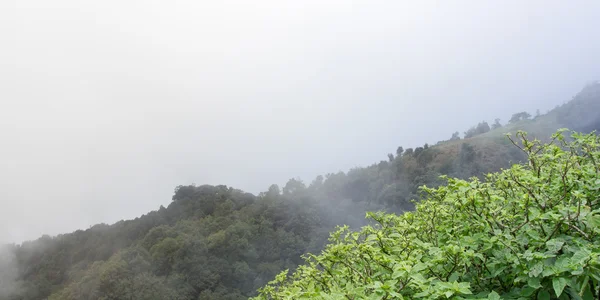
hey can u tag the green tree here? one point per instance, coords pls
(496, 124)
(455, 136)
(481, 128)
(399, 151)
(293, 186)
(528, 232)
(519, 117)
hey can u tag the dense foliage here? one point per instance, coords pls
(216, 242)
(532, 231)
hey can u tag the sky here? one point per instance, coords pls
(107, 106)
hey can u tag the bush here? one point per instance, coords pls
(532, 231)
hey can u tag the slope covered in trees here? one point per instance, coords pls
(216, 242)
(532, 231)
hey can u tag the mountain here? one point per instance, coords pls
(217, 242)
(528, 232)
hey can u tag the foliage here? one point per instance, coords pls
(532, 231)
(481, 128)
(519, 117)
(455, 136)
(496, 124)
(399, 151)
(216, 242)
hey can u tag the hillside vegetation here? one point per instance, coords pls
(217, 242)
(532, 231)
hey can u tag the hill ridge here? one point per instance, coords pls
(218, 242)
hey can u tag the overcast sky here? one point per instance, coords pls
(106, 106)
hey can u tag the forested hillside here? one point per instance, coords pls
(529, 232)
(217, 242)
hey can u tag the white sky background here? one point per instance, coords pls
(106, 106)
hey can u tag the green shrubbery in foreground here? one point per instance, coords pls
(529, 232)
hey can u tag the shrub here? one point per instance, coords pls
(532, 231)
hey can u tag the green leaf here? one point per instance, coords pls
(595, 274)
(493, 296)
(580, 256)
(572, 294)
(536, 269)
(559, 283)
(534, 282)
(594, 221)
(418, 267)
(543, 295)
(453, 277)
(527, 291)
(465, 290)
(562, 264)
(421, 294)
(587, 294)
(554, 245)
(398, 274)
(418, 278)
(497, 272)
(395, 235)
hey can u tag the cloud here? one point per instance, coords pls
(106, 106)
(8, 272)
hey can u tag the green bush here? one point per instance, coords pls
(529, 232)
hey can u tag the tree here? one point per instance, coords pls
(293, 186)
(390, 157)
(494, 239)
(467, 154)
(418, 151)
(481, 128)
(455, 136)
(519, 117)
(496, 124)
(399, 151)
(317, 183)
(163, 255)
(274, 191)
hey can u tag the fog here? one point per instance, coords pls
(106, 106)
(8, 273)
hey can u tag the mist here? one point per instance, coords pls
(8, 272)
(106, 106)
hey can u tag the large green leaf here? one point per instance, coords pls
(559, 283)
